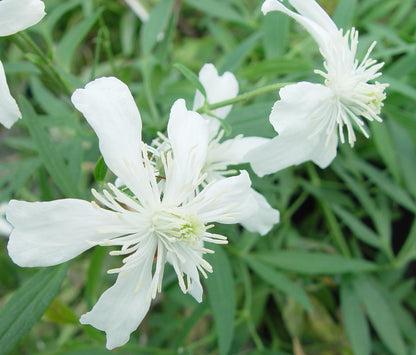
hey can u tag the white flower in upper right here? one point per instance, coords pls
(308, 116)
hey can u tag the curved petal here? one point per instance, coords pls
(264, 217)
(293, 148)
(189, 137)
(121, 309)
(319, 33)
(311, 10)
(224, 201)
(50, 233)
(9, 112)
(16, 15)
(109, 108)
(297, 105)
(218, 88)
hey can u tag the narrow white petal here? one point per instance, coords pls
(16, 15)
(311, 10)
(292, 148)
(9, 112)
(218, 88)
(121, 309)
(189, 137)
(109, 108)
(316, 29)
(263, 218)
(50, 233)
(138, 9)
(224, 200)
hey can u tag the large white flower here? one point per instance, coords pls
(153, 218)
(308, 116)
(15, 16)
(223, 153)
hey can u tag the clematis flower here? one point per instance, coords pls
(15, 16)
(162, 219)
(221, 154)
(309, 117)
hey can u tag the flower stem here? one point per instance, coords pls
(48, 67)
(335, 230)
(243, 97)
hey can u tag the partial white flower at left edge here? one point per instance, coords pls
(223, 153)
(5, 227)
(15, 16)
(153, 220)
(309, 117)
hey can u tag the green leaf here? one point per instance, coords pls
(155, 25)
(234, 59)
(188, 74)
(50, 156)
(275, 46)
(100, 170)
(315, 263)
(391, 189)
(73, 38)
(221, 296)
(218, 9)
(380, 314)
(281, 282)
(28, 304)
(344, 13)
(355, 322)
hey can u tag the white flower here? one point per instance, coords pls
(166, 220)
(5, 227)
(308, 116)
(220, 153)
(15, 16)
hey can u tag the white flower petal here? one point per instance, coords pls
(50, 233)
(224, 201)
(121, 309)
(189, 137)
(9, 112)
(311, 10)
(319, 33)
(297, 105)
(109, 108)
(264, 217)
(218, 88)
(293, 148)
(16, 15)
(233, 151)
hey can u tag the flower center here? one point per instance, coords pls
(177, 224)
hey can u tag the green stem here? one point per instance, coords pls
(243, 97)
(48, 65)
(333, 225)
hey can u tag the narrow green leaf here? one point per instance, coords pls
(100, 170)
(275, 22)
(360, 230)
(155, 25)
(50, 156)
(221, 296)
(281, 282)
(73, 38)
(28, 304)
(380, 314)
(391, 189)
(218, 9)
(234, 59)
(354, 320)
(94, 275)
(315, 263)
(188, 74)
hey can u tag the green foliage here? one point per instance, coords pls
(335, 277)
